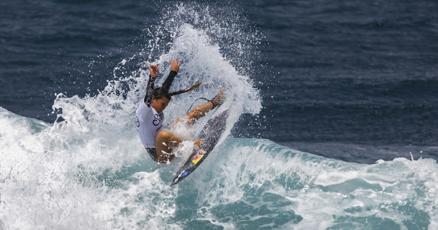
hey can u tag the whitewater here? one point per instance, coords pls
(88, 169)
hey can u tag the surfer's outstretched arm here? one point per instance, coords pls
(153, 73)
(202, 109)
(174, 68)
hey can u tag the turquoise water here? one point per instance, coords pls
(244, 184)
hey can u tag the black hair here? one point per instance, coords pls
(159, 93)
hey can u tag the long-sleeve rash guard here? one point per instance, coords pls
(164, 88)
(149, 121)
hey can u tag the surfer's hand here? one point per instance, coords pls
(174, 65)
(153, 71)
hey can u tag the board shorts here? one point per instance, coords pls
(152, 152)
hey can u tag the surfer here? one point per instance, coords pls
(159, 143)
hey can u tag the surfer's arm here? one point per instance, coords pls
(174, 68)
(149, 89)
(153, 72)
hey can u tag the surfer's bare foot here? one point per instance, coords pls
(218, 99)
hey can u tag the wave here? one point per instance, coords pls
(244, 184)
(275, 186)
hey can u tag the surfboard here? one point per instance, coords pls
(210, 135)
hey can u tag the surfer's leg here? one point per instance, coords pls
(164, 145)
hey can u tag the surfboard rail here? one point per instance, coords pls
(210, 135)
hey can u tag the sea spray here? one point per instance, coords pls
(88, 170)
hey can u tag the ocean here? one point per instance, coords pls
(332, 122)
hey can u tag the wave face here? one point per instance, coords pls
(51, 178)
(89, 170)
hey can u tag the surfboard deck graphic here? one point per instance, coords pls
(210, 135)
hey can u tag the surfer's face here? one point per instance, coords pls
(160, 104)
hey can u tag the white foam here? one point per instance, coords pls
(65, 175)
(322, 189)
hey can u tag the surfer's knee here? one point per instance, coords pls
(167, 139)
(164, 135)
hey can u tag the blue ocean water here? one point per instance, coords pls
(333, 126)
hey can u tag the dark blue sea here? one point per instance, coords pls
(334, 114)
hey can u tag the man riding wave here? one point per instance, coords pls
(159, 143)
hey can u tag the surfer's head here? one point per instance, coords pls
(160, 99)
(161, 96)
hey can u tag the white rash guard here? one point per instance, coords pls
(149, 122)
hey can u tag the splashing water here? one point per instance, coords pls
(90, 171)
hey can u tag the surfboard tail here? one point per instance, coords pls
(174, 182)
(180, 176)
